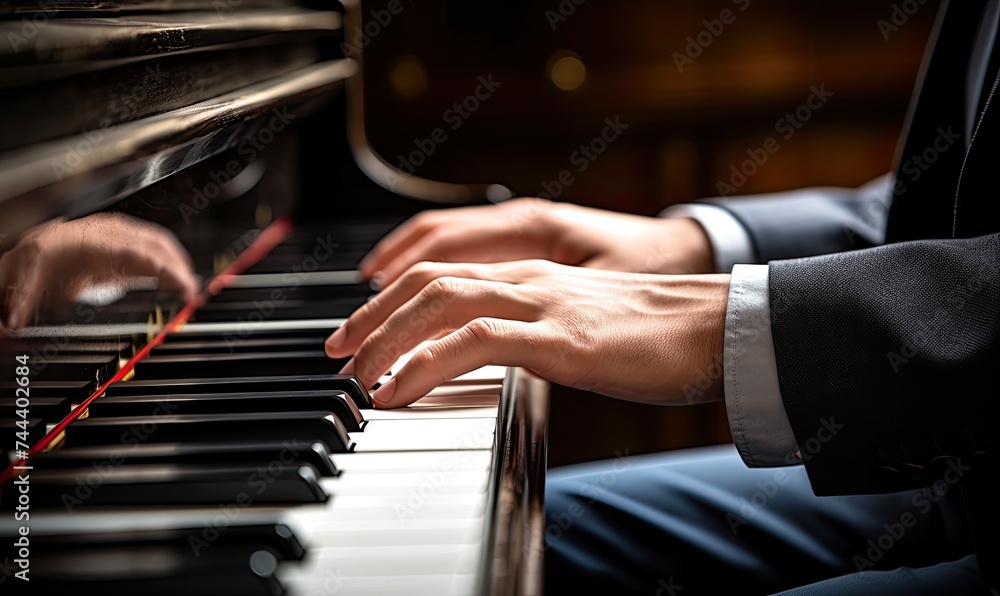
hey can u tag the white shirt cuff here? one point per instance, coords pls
(730, 240)
(757, 418)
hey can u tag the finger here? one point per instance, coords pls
(399, 239)
(480, 343)
(348, 338)
(371, 314)
(483, 243)
(443, 306)
(173, 272)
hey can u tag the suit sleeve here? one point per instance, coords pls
(887, 361)
(812, 221)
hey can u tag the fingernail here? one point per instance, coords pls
(348, 368)
(375, 283)
(13, 321)
(338, 338)
(384, 393)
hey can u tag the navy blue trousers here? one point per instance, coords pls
(700, 522)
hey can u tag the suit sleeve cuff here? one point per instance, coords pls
(757, 418)
(730, 241)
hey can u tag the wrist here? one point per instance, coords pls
(694, 243)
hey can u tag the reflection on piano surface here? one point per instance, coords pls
(184, 207)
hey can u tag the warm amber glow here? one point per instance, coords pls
(408, 77)
(567, 71)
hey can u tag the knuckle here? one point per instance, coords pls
(484, 332)
(443, 288)
(421, 271)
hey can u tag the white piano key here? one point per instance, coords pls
(471, 508)
(410, 531)
(424, 412)
(329, 584)
(444, 480)
(388, 561)
(425, 435)
(472, 390)
(344, 502)
(413, 461)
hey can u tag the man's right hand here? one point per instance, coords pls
(540, 229)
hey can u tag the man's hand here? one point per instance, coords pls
(52, 262)
(539, 229)
(640, 337)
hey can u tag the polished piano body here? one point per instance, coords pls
(186, 431)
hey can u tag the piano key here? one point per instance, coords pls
(287, 453)
(305, 278)
(337, 402)
(288, 309)
(276, 537)
(349, 384)
(155, 571)
(426, 435)
(49, 409)
(413, 461)
(180, 366)
(220, 346)
(299, 427)
(329, 582)
(78, 389)
(75, 367)
(168, 484)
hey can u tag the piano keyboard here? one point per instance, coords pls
(236, 461)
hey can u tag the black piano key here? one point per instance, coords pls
(349, 384)
(217, 453)
(187, 334)
(275, 537)
(153, 571)
(75, 367)
(49, 409)
(302, 292)
(337, 402)
(169, 484)
(236, 345)
(33, 429)
(79, 389)
(43, 348)
(299, 427)
(287, 310)
(180, 366)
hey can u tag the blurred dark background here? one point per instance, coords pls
(697, 87)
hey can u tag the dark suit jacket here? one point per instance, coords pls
(900, 342)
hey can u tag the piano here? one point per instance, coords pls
(186, 190)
